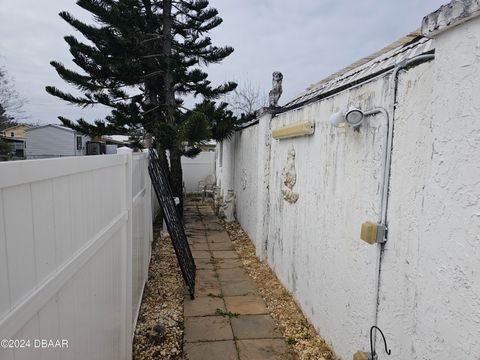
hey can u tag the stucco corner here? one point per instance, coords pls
(449, 15)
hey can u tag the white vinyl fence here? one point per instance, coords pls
(75, 238)
(197, 169)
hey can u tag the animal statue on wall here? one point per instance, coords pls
(276, 92)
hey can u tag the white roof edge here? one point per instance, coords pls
(52, 125)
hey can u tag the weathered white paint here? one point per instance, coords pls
(430, 288)
(197, 169)
(50, 141)
(142, 230)
(74, 251)
(245, 184)
(429, 294)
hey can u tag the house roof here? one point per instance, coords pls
(52, 125)
(379, 62)
(15, 126)
(118, 138)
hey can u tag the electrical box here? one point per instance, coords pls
(361, 355)
(372, 232)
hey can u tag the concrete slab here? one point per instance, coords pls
(220, 246)
(204, 264)
(202, 306)
(247, 304)
(199, 246)
(228, 263)
(201, 254)
(237, 274)
(214, 350)
(238, 288)
(264, 349)
(207, 328)
(207, 276)
(203, 288)
(254, 327)
(218, 236)
(221, 274)
(225, 254)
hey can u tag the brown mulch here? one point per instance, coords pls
(159, 331)
(298, 332)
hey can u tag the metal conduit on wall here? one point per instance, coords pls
(390, 115)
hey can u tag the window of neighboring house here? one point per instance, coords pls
(79, 143)
(12, 134)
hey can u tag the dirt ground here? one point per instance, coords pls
(159, 331)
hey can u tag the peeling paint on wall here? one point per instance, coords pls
(244, 178)
(429, 295)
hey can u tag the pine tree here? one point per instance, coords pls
(142, 58)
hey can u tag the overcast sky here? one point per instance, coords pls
(304, 39)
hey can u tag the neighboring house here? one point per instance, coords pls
(209, 146)
(50, 141)
(14, 136)
(17, 131)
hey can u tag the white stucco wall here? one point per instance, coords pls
(245, 180)
(430, 287)
(313, 245)
(429, 300)
(225, 165)
(242, 165)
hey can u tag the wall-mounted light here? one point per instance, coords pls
(294, 130)
(371, 232)
(352, 117)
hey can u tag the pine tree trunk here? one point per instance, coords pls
(176, 176)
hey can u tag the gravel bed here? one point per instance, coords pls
(298, 332)
(159, 331)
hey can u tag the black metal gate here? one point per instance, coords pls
(164, 194)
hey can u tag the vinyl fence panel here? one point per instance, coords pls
(75, 238)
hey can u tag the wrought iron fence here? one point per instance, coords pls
(172, 218)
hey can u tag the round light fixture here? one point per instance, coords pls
(354, 117)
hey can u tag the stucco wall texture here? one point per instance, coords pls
(429, 292)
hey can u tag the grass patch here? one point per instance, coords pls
(291, 340)
(220, 296)
(220, 312)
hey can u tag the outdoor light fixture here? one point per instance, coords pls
(294, 130)
(352, 117)
(371, 232)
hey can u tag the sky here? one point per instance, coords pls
(306, 40)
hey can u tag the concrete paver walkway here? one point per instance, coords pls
(228, 320)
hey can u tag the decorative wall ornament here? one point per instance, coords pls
(243, 179)
(276, 92)
(217, 198)
(289, 178)
(227, 209)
